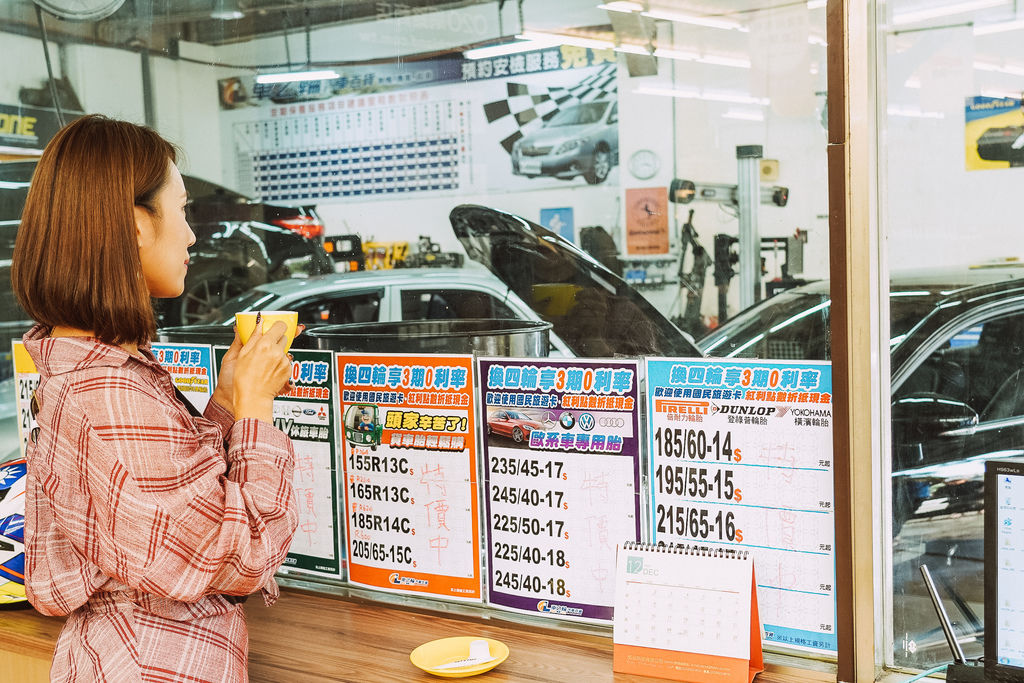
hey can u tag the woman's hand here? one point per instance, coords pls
(261, 371)
(223, 395)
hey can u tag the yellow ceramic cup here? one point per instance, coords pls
(246, 323)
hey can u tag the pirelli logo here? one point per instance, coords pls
(671, 406)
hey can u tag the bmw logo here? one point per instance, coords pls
(586, 422)
(566, 420)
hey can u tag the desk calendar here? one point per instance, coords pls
(687, 613)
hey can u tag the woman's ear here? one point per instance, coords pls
(143, 225)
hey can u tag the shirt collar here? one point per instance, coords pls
(57, 355)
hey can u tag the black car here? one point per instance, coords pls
(957, 364)
(238, 245)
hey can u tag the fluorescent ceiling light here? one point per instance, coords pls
(295, 76)
(549, 39)
(710, 22)
(744, 115)
(986, 29)
(722, 60)
(914, 112)
(622, 6)
(681, 55)
(633, 49)
(946, 11)
(1012, 69)
(509, 48)
(696, 94)
(1001, 94)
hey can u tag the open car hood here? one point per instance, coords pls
(593, 310)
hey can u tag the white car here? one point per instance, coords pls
(527, 273)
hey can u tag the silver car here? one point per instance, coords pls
(582, 139)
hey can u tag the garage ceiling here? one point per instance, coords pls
(156, 24)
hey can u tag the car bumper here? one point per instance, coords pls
(567, 165)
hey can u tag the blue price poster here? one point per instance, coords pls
(562, 481)
(191, 369)
(307, 415)
(740, 456)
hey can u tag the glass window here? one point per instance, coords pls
(421, 304)
(960, 406)
(363, 307)
(951, 121)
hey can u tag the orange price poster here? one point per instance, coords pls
(410, 473)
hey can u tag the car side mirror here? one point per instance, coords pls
(929, 415)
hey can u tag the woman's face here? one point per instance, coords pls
(164, 238)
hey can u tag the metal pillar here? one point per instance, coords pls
(748, 196)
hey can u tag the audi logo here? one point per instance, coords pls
(611, 422)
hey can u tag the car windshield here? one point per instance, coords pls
(590, 308)
(253, 300)
(516, 416)
(795, 324)
(581, 114)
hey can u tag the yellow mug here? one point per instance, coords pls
(246, 323)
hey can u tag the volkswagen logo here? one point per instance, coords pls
(585, 421)
(611, 422)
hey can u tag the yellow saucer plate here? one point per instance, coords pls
(439, 652)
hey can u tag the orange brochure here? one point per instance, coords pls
(686, 613)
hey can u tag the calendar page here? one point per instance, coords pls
(688, 599)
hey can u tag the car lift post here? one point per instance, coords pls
(748, 196)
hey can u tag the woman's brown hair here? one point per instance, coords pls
(76, 258)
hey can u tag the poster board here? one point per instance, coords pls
(561, 476)
(740, 456)
(306, 414)
(407, 428)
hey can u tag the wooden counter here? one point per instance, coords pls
(313, 637)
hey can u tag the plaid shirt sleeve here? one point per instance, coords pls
(152, 499)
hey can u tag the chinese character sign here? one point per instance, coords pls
(561, 481)
(740, 456)
(191, 370)
(306, 414)
(410, 473)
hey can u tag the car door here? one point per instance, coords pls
(960, 404)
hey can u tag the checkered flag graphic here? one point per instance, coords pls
(528, 107)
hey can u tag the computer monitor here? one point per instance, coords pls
(1004, 570)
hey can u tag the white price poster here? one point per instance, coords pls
(561, 480)
(740, 456)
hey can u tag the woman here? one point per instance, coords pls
(140, 525)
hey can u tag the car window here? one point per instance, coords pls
(789, 326)
(433, 304)
(963, 405)
(613, 117)
(591, 112)
(341, 309)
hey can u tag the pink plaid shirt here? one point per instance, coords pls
(138, 522)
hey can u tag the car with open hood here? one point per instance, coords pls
(518, 270)
(240, 243)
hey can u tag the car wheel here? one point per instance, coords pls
(205, 291)
(600, 166)
(517, 435)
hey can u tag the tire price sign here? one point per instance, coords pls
(408, 439)
(561, 481)
(740, 456)
(306, 415)
(191, 370)
(26, 378)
